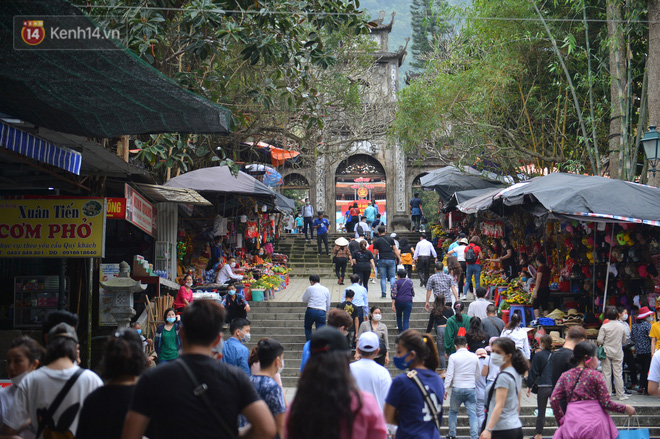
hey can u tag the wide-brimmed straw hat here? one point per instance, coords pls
(341, 241)
(556, 339)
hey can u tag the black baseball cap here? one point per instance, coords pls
(328, 339)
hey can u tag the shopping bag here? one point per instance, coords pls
(633, 433)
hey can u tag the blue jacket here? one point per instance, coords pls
(159, 334)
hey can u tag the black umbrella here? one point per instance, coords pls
(447, 180)
(581, 196)
(220, 180)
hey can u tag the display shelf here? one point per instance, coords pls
(158, 282)
(35, 297)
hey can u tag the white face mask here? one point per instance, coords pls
(281, 368)
(377, 317)
(189, 283)
(624, 317)
(232, 265)
(649, 319)
(497, 359)
(17, 379)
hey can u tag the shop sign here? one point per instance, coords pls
(116, 208)
(106, 298)
(139, 211)
(52, 228)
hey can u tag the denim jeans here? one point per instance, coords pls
(469, 398)
(440, 341)
(403, 310)
(387, 270)
(472, 269)
(313, 315)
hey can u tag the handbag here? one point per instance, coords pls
(535, 387)
(600, 353)
(490, 396)
(383, 345)
(432, 405)
(634, 433)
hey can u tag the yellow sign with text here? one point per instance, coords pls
(52, 228)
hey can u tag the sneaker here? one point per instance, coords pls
(623, 398)
(373, 281)
(382, 296)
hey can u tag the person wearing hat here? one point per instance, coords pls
(40, 388)
(327, 385)
(340, 256)
(424, 253)
(321, 225)
(370, 376)
(640, 336)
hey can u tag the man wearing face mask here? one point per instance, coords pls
(235, 305)
(234, 351)
(271, 360)
(226, 274)
(308, 218)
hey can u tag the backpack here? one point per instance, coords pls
(360, 230)
(46, 423)
(470, 255)
(461, 332)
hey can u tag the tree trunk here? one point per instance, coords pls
(617, 79)
(653, 66)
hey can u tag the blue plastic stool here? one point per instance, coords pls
(522, 310)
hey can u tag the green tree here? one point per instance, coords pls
(279, 66)
(427, 30)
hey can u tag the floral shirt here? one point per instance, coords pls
(271, 393)
(591, 386)
(640, 335)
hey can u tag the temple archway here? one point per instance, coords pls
(359, 179)
(296, 187)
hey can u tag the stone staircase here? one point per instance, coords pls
(283, 321)
(304, 258)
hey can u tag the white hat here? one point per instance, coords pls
(341, 241)
(393, 235)
(368, 342)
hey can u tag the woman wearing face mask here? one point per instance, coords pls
(185, 294)
(583, 387)
(23, 357)
(405, 405)
(270, 357)
(375, 325)
(503, 395)
(167, 342)
(235, 305)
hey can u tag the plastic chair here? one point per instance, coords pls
(522, 310)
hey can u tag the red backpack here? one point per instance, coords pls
(461, 332)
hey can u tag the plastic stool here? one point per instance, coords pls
(522, 310)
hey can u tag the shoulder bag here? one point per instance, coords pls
(490, 397)
(45, 416)
(433, 408)
(383, 345)
(200, 391)
(535, 387)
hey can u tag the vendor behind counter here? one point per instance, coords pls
(235, 305)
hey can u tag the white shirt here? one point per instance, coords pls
(373, 378)
(478, 308)
(39, 388)
(519, 337)
(459, 252)
(424, 248)
(654, 370)
(227, 273)
(317, 296)
(308, 210)
(463, 370)
(365, 228)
